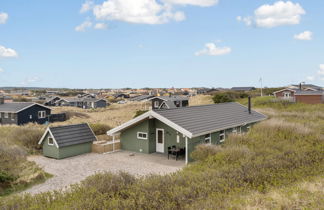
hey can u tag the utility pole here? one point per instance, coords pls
(261, 86)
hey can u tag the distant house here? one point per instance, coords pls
(94, 103)
(307, 96)
(19, 113)
(169, 102)
(67, 141)
(85, 103)
(121, 96)
(51, 101)
(142, 98)
(285, 94)
(157, 131)
(243, 89)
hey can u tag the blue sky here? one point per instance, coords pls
(165, 43)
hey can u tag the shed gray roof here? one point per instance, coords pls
(200, 120)
(16, 106)
(72, 134)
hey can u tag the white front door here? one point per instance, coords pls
(159, 140)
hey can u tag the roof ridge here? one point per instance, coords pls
(204, 105)
(69, 125)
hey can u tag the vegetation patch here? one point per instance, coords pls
(274, 154)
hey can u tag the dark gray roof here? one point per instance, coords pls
(93, 99)
(309, 86)
(16, 106)
(72, 134)
(173, 98)
(301, 92)
(201, 120)
(169, 104)
(141, 97)
(243, 88)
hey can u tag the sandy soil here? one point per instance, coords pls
(72, 170)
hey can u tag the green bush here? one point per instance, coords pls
(228, 96)
(99, 128)
(139, 112)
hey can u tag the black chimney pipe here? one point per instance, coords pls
(300, 86)
(249, 105)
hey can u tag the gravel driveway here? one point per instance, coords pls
(72, 170)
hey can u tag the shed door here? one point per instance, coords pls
(159, 140)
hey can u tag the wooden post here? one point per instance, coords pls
(186, 150)
(113, 143)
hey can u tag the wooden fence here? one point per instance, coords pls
(105, 146)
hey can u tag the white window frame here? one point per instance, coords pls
(156, 104)
(48, 140)
(41, 114)
(223, 135)
(207, 138)
(141, 137)
(287, 94)
(6, 115)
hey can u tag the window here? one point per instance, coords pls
(222, 136)
(236, 130)
(141, 135)
(50, 141)
(30, 116)
(178, 138)
(41, 114)
(6, 115)
(156, 104)
(207, 139)
(287, 95)
(177, 103)
(12, 116)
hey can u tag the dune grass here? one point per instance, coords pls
(277, 162)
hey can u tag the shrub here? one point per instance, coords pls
(203, 151)
(222, 98)
(27, 137)
(139, 112)
(99, 128)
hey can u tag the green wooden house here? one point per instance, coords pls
(157, 130)
(67, 141)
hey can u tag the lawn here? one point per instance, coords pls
(278, 164)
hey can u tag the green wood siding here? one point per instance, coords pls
(129, 139)
(74, 150)
(130, 142)
(50, 150)
(64, 152)
(170, 136)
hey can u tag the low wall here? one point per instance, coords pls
(104, 146)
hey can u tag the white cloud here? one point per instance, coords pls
(139, 11)
(83, 26)
(100, 26)
(212, 49)
(310, 78)
(201, 3)
(278, 14)
(7, 52)
(321, 71)
(1, 70)
(86, 6)
(3, 17)
(30, 80)
(306, 35)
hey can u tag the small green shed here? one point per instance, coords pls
(67, 141)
